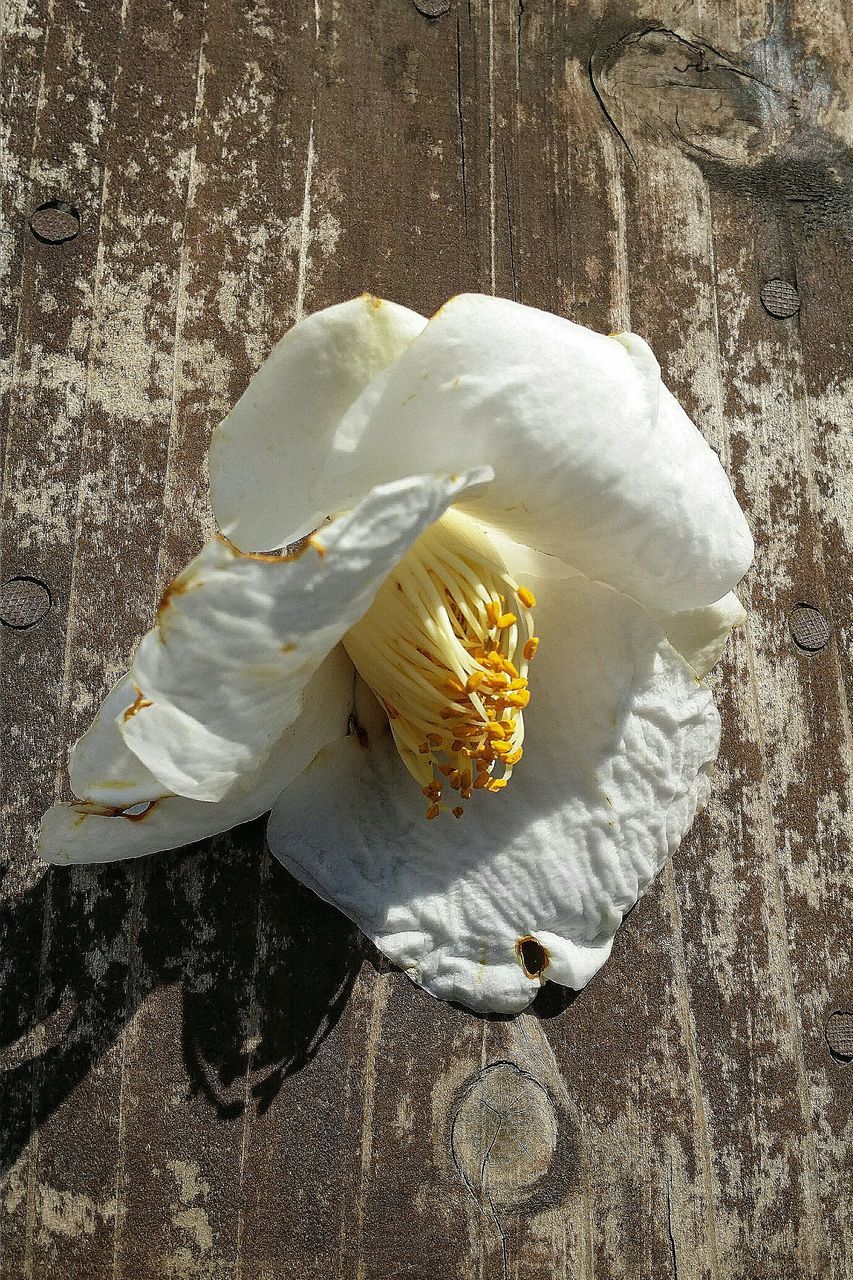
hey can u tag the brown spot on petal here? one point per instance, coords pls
(288, 648)
(436, 314)
(358, 731)
(135, 813)
(138, 704)
(532, 955)
(317, 545)
(176, 588)
(271, 557)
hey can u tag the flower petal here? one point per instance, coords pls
(102, 768)
(238, 636)
(701, 635)
(531, 883)
(81, 833)
(595, 462)
(266, 456)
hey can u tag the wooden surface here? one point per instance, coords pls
(206, 1072)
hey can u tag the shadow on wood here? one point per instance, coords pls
(265, 967)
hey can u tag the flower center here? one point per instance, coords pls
(445, 646)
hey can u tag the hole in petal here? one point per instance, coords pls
(134, 812)
(533, 956)
(138, 810)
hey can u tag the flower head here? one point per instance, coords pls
(471, 692)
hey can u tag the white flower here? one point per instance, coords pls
(493, 478)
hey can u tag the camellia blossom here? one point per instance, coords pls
(470, 688)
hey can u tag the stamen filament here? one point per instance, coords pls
(445, 647)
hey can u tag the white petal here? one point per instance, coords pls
(266, 456)
(700, 635)
(620, 736)
(102, 768)
(70, 833)
(238, 636)
(595, 462)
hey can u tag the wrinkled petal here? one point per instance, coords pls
(595, 462)
(700, 635)
(620, 737)
(102, 768)
(84, 833)
(238, 636)
(267, 455)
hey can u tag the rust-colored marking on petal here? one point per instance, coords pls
(177, 587)
(92, 809)
(299, 548)
(317, 545)
(138, 704)
(436, 314)
(288, 648)
(533, 957)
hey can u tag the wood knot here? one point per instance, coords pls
(24, 602)
(54, 222)
(809, 628)
(682, 90)
(504, 1136)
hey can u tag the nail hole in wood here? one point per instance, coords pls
(809, 628)
(55, 222)
(23, 602)
(780, 299)
(432, 8)
(839, 1035)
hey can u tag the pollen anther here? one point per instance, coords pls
(445, 647)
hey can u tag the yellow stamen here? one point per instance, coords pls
(444, 646)
(527, 597)
(530, 648)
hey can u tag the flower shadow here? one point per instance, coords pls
(264, 966)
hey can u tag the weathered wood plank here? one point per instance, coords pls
(207, 1073)
(59, 151)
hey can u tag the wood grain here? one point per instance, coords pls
(206, 1071)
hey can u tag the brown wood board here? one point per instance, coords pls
(206, 1071)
